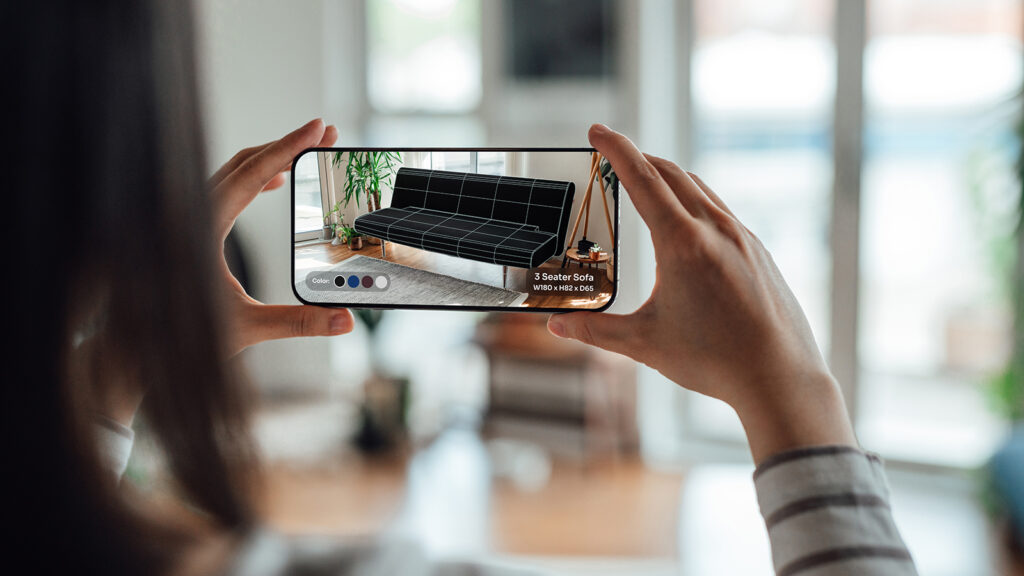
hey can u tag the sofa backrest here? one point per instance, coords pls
(545, 204)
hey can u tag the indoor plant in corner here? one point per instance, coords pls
(355, 239)
(1004, 491)
(366, 173)
(384, 410)
(336, 221)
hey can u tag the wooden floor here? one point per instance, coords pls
(324, 254)
(454, 497)
(448, 499)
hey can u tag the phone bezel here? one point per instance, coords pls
(548, 310)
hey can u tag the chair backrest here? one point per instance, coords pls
(545, 204)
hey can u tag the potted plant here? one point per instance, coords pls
(355, 239)
(366, 173)
(337, 227)
(384, 411)
(334, 222)
(595, 252)
(328, 229)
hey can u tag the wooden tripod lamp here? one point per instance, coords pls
(584, 245)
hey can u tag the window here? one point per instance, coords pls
(452, 161)
(937, 197)
(491, 163)
(423, 55)
(763, 85)
(941, 85)
(480, 162)
(309, 203)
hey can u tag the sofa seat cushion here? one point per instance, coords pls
(481, 239)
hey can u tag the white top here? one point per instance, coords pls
(115, 441)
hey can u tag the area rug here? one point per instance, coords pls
(409, 286)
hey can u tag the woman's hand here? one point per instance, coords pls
(235, 185)
(721, 320)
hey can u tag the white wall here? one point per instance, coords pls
(262, 66)
(574, 167)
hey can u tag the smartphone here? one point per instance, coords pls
(497, 229)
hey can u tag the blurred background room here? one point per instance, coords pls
(871, 144)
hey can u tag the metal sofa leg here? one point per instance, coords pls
(504, 276)
(383, 250)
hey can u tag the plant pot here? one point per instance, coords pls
(384, 412)
(595, 254)
(356, 243)
(326, 233)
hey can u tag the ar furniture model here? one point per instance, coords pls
(508, 221)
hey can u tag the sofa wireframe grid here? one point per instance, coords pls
(519, 222)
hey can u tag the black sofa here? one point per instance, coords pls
(519, 222)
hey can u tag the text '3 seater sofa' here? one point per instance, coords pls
(518, 222)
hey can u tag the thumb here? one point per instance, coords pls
(612, 332)
(270, 322)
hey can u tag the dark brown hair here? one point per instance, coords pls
(114, 260)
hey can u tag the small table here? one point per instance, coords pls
(574, 255)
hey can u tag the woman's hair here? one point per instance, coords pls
(115, 262)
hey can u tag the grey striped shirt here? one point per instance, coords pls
(827, 512)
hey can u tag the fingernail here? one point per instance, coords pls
(314, 121)
(556, 327)
(339, 323)
(600, 128)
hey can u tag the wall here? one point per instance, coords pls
(574, 167)
(262, 67)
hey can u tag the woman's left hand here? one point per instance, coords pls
(235, 186)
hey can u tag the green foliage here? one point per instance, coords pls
(334, 223)
(611, 179)
(371, 317)
(350, 233)
(366, 173)
(1006, 393)
(995, 215)
(1006, 390)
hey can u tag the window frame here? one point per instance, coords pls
(850, 34)
(850, 39)
(325, 181)
(473, 160)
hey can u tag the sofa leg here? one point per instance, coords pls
(504, 276)
(383, 250)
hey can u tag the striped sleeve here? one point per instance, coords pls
(827, 512)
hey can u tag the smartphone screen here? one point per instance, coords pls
(528, 229)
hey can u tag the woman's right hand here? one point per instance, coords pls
(720, 320)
